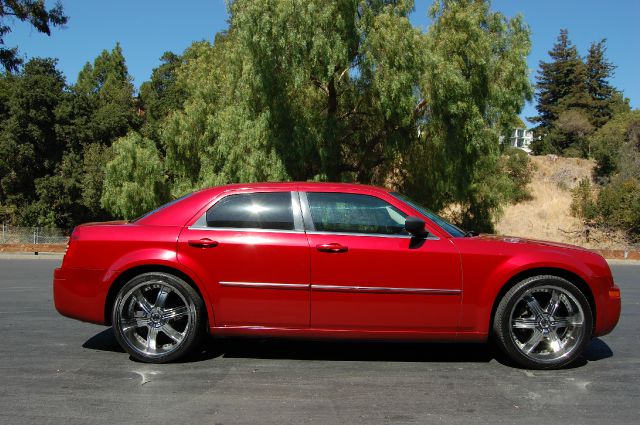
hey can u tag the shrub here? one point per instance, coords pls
(619, 205)
(517, 167)
(583, 204)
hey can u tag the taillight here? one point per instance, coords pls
(68, 251)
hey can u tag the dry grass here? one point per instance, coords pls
(548, 214)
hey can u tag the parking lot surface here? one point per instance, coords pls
(60, 371)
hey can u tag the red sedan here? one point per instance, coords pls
(329, 260)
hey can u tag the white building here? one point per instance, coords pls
(521, 138)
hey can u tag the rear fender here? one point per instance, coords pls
(145, 260)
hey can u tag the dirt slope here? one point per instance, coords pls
(547, 215)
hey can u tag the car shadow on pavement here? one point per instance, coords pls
(103, 341)
(338, 350)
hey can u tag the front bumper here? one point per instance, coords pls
(608, 310)
(80, 294)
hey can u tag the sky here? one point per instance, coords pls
(148, 28)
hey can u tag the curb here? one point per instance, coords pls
(33, 248)
(618, 254)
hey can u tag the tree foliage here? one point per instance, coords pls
(347, 90)
(134, 178)
(574, 98)
(615, 202)
(34, 12)
(474, 85)
(29, 147)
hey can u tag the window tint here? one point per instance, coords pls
(253, 210)
(352, 213)
(452, 229)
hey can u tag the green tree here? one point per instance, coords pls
(33, 11)
(616, 201)
(104, 94)
(161, 95)
(474, 85)
(563, 76)
(134, 178)
(613, 145)
(29, 146)
(605, 98)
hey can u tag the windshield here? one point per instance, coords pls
(159, 208)
(452, 229)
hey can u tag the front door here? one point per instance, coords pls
(254, 254)
(368, 273)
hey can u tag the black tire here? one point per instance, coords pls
(540, 340)
(158, 318)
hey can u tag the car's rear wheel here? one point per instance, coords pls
(158, 317)
(543, 322)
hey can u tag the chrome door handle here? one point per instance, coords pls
(332, 248)
(203, 243)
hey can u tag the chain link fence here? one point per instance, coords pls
(33, 235)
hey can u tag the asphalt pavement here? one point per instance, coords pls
(60, 371)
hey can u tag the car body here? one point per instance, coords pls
(324, 270)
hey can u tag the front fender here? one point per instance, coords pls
(485, 276)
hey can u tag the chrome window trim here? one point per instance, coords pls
(375, 235)
(245, 229)
(385, 289)
(265, 285)
(201, 222)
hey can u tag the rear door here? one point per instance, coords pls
(368, 273)
(254, 254)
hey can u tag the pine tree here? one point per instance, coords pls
(598, 73)
(558, 79)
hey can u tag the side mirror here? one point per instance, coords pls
(415, 226)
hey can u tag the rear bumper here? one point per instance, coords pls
(79, 294)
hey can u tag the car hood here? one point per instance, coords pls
(531, 242)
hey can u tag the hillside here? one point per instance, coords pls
(547, 215)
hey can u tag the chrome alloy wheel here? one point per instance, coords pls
(154, 318)
(547, 323)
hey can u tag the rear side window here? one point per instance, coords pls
(354, 213)
(267, 210)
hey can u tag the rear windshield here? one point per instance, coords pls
(160, 208)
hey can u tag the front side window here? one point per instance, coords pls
(354, 213)
(452, 229)
(265, 210)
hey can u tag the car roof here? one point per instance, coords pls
(183, 209)
(302, 186)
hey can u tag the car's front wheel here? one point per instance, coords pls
(157, 317)
(543, 322)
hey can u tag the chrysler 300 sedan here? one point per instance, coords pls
(329, 260)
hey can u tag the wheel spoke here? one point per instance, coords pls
(175, 313)
(554, 302)
(524, 323)
(140, 299)
(162, 297)
(134, 323)
(151, 339)
(554, 341)
(564, 322)
(534, 305)
(533, 342)
(169, 331)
